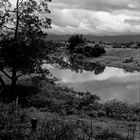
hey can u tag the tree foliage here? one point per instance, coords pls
(22, 33)
(78, 45)
(75, 40)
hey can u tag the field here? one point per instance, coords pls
(126, 58)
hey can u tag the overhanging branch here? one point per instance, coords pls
(6, 74)
(8, 28)
(2, 83)
(19, 75)
(20, 2)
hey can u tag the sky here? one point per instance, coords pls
(95, 17)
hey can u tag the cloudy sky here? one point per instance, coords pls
(97, 17)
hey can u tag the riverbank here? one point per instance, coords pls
(126, 58)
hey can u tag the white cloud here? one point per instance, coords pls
(131, 5)
(94, 22)
(98, 17)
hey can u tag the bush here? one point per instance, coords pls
(90, 51)
(128, 60)
(118, 110)
(89, 100)
(97, 51)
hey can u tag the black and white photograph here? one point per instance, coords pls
(69, 69)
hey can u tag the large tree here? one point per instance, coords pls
(75, 40)
(22, 29)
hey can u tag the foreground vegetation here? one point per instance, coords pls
(63, 113)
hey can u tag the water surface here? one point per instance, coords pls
(109, 83)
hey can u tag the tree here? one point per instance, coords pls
(75, 40)
(22, 47)
(88, 100)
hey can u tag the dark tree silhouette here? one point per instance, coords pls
(75, 40)
(21, 39)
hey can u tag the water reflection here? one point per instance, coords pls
(107, 82)
(79, 66)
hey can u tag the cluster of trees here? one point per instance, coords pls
(76, 40)
(22, 47)
(78, 45)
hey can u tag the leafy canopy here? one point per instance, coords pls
(75, 40)
(22, 33)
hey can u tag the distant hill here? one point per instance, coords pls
(121, 39)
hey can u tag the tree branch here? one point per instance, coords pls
(6, 74)
(17, 20)
(19, 75)
(2, 83)
(8, 27)
(20, 2)
(11, 11)
(4, 7)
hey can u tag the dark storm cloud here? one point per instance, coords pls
(99, 5)
(132, 21)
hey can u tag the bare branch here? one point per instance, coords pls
(11, 11)
(2, 83)
(4, 6)
(20, 2)
(19, 75)
(6, 74)
(17, 20)
(8, 28)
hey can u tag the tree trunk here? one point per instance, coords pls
(2, 83)
(4, 88)
(14, 72)
(13, 83)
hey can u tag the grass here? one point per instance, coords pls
(16, 124)
(115, 57)
(59, 116)
(62, 115)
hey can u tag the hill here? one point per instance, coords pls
(121, 38)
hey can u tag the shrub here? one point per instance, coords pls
(98, 51)
(118, 110)
(90, 51)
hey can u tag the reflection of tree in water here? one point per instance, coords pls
(79, 66)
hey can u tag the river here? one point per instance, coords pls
(107, 82)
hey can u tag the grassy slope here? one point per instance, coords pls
(58, 96)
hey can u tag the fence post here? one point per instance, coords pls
(34, 123)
